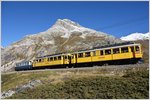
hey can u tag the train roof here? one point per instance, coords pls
(94, 48)
(54, 55)
(107, 47)
(23, 62)
(50, 55)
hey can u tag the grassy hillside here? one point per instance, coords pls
(132, 85)
(97, 83)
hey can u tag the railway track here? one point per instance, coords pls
(85, 68)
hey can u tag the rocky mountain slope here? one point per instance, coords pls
(136, 36)
(64, 36)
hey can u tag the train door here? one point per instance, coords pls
(133, 51)
(69, 59)
(75, 58)
(64, 59)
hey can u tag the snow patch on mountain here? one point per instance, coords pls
(136, 36)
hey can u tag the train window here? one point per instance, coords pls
(80, 55)
(65, 57)
(137, 48)
(132, 49)
(94, 53)
(116, 50)
(55, 58)
(87, 54)
(124, 49)
(51, 59)
(48, 59)
(59, 57)
(101, 52)
(42, 60)
(72, 56)
(39, 60)
(107, 52)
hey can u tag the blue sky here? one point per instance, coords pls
(115, 18)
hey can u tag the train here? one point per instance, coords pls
(120, 53)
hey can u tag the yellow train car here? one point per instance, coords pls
(52, 61)
(118, 52)
(111, 54)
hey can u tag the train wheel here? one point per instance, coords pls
(67, 66)
(106, 64)
(141, 61)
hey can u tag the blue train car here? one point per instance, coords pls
(25, 65)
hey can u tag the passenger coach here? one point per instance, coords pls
(129, 53)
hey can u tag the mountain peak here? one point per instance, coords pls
(71, 22)
(66, 23)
